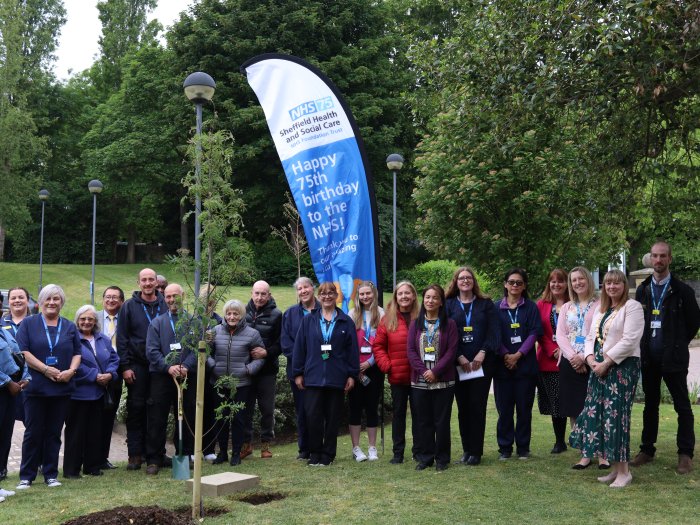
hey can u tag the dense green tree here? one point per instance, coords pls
(545, 123)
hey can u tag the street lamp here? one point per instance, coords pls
(43, 197)
(199, 88)
(95, 187)
(394, 162)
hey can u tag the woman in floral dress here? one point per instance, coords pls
(612, 353)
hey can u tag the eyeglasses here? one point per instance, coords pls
(465, 279)
(111, 297)
(86, 319)
(327, 294)
(513, 282)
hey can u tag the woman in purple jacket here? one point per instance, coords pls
(432, 350)
(98, 367)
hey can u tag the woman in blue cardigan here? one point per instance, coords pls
(52, 348)
(478, 331)
(98, 367)
(516, 370)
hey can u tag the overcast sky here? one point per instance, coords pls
(77, 46)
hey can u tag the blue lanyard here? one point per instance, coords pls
(513, 320)
(148, 316)
(327, 329)
(48, 337)
(657, 306)
(555, 315)
(581, 317)
(172, 325)
(430, 335)
(367, 327)
(467, 317)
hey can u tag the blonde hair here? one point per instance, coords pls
(613, 276)
(391, 314)
(357, 313)
(589, 280)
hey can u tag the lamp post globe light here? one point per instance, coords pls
(199, 89)
(394, 162)
(43, 197)
(95, 187)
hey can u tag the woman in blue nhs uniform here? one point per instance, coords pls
(516, 370)
(52, 348)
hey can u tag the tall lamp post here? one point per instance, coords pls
(394, 162)
(95, 187)
(43, 197)
(199, 88)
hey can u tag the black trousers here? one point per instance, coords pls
(43, 419)
(514, 393)
(323, 407)
(401, 398)
(83, 432)
(163, 401)
(472, 397)
(108, 417)
(366, 398)
(432, 428)
(302, 431)
(235, 426)
(136, 416)
(678, 387)
(7, 425)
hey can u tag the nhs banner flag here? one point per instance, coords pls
(324, 160)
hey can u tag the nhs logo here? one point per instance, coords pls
(312, 106)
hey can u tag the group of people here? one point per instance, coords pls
(580, 353)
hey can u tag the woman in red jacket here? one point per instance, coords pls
(550, 304)
(389, 350)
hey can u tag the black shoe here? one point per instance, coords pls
(503, 456)
(396, 460)
(72, 476)
(303, 456)
(94, 473)
(523, 455)
(107, 466)
(221, 458)
(167, 462)
(581, 466)
(463, 460)
(422, 466)
(473, 460)
(235, 460)
(558, 448)
(441, 466)
(3, 474)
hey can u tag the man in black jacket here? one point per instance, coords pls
(135, 317)
(671, 320)
(263, 315)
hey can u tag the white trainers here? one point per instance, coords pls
(358, 454)
(5, 493)
(53, 482)
(2, 499)
(372, 454)
(23, 484)
(210, 457)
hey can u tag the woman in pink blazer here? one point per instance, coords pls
(612, 354)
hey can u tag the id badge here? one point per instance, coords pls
(326, 348)
(515, 325)
(655, 324)
(52, 360)
(467, 338)
(366, 350)
(429, 358)
(468, 328)
(515, 339)
(175, 346)
(429, 354)
(580, 340)
(656, 312)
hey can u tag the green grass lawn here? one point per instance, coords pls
(541, 490)
(75, 281)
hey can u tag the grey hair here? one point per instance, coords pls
(303, 280)
(89, 308)
(49, 291)
(235, 304)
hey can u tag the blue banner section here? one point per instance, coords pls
(330, 190)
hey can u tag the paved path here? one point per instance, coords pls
(118, 451)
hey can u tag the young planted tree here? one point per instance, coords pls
(292, 233)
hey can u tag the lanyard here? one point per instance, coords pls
(582, 317)
(367, 327)
(467, 316)
(657, 305)
(430, 335)
(48, 337)
(148, 316)
(513, 320)
(327, 328)
(172, 325)
(555, 318)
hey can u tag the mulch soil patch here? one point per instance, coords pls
(128, 515)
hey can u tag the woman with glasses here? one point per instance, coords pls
(325, 363)
(432, 350)
(365, 396)
(478, 333)
(516, 370)
(612, 353)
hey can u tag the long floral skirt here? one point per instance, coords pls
(603, 427)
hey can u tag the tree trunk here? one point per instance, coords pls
(131, 247)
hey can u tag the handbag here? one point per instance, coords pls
(20, 362)
(107, 399)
